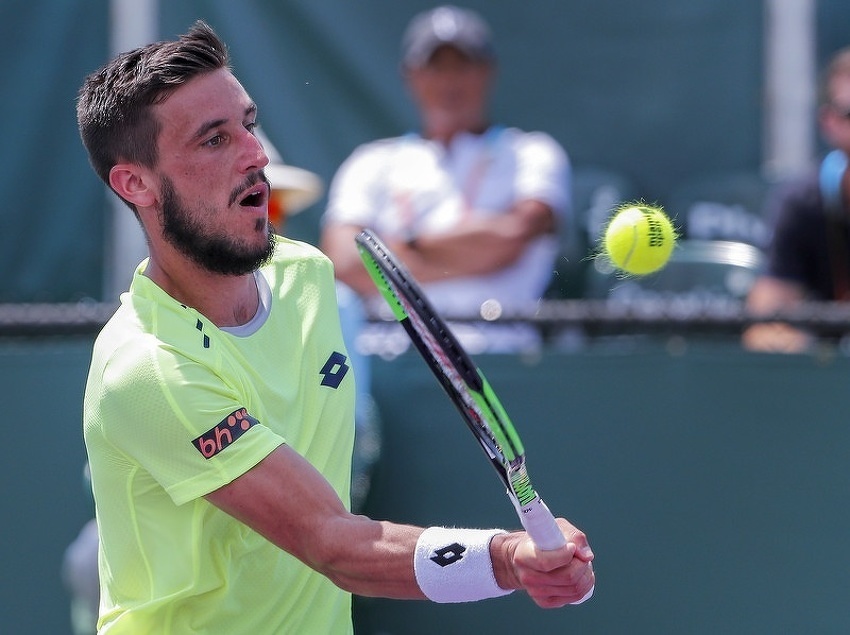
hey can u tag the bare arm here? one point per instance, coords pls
(286, 500)
(476, 246)
(484, 243)
(767, 296)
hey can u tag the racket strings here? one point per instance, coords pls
(452, 367)
(451, 372)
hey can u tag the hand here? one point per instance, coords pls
(776, 337)
(551, 578)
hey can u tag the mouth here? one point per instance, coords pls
(256, 197)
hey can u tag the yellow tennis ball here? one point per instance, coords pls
(639, 239)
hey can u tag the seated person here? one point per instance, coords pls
(472, 208)
(292, 189)
(809, 254)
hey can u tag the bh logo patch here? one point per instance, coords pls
(224, 433)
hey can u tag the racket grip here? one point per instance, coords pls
(540, 524)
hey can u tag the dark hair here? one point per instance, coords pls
(114, 112)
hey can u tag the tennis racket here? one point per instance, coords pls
(465, 385)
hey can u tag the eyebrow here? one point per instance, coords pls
(204, 128)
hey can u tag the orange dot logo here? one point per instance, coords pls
(224, 433)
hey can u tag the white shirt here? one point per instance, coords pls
(408, 185)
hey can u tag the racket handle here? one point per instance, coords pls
(540, 524)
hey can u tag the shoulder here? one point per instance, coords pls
(141, 343)
(381, 149)
(288, 252)
(534, 145)
(521, 137)
(367, 162)
(129, 369)
(295, 264)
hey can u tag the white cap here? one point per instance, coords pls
(297, 188)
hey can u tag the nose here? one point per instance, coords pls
(255, 155)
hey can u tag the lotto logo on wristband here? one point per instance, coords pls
(226, 432)
(448, 555)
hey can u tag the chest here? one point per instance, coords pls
(425, 180)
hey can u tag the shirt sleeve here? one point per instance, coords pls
(180, 421)
(543, 172)
(355, 195)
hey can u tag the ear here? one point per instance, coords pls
(132, 184)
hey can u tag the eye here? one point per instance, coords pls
(215, 140)
(252, 127)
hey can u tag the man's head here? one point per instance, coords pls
(114, 109)
(171, 130)
(835, 101)
(458, 28)
(448, 61)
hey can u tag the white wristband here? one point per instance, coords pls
(454, 565)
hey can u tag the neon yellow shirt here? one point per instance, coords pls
(174, 409)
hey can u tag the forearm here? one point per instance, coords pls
(768, 296)
(477, 246)
(482, 244)
(288, 502)
(338, 244)
(370, 558)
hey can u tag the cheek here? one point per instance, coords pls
(196, 180)
(191, 169)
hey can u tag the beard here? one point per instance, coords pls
(221, 254)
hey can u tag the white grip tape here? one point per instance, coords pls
(540, 524)
(454, 565)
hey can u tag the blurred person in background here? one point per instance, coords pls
(293, 189)
(809, 253)
(472, 207)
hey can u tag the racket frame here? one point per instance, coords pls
(464, 383)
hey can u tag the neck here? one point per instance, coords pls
(224, 300)
(445, 133)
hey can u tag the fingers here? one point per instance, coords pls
(578, 538)
(586, 596)
(572, 586)
(560, 577)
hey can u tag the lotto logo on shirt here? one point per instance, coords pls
(226, 432)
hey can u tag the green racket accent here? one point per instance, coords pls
(464, 384)
(382, 284)
(502, 428)
(521, 485)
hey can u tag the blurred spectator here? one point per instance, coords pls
(471, 207)
(293, 189)
(809, 254)
(79, 573)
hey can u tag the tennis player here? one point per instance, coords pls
(219, 407)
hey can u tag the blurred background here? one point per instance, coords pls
(663, 93)
(686, 103)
